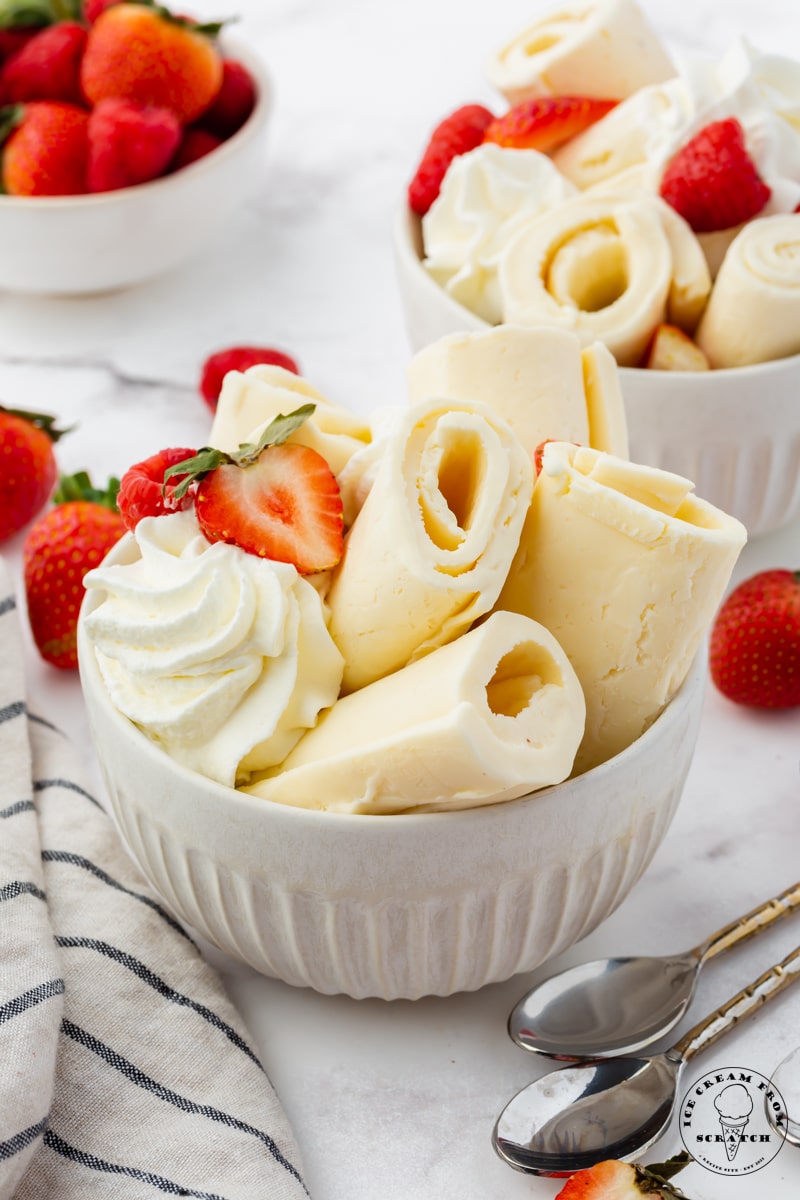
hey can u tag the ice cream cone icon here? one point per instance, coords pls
(734, 1105)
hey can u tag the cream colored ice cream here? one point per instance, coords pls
(485, 196)
(221, 657)
(626, 568)
(601, 48)
(754, 311)
(429, 550)
(609, 267)
(494, 715)
(250, 399)
(539, 380)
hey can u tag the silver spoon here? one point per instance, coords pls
(578, 1115)
(786, 1078)
(619, 1005)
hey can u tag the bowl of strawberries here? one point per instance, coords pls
(657, 212)
(118, 121)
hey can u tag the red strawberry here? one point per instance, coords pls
(142, 492)
(129, 144)
(754, 651)
(46, 148)
(278, 500)
(28, 472)
(196, 143)
(92, 9)
(712, 181)
(614, 1180)
(59, 549)
(145, 54)
(234, 101)
(47, 67)
(462, 131)
(546, 122)
(238, 358)
(13, 39)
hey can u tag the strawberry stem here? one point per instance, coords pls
(42, 421)
(654, 1178)
(208, 458)
(80, 487)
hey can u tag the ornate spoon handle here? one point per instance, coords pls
(751, 924)
(742, 1005)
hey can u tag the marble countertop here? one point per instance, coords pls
(398, 1100)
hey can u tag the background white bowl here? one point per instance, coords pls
(72, 245)
(735, 433)
(397, 906)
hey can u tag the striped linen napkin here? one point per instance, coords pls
(125, 1072)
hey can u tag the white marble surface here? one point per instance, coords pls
(398, 1100)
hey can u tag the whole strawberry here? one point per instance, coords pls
(129, 144)
(462, 131)
(754, 652)
(238, 358)
(712, 181)
(45, 148)
(47, 67)
(614, 1180)
(195, 144)
(28, 473)
(59, 549)
(142, 492)
(234, 101)
(147, 55)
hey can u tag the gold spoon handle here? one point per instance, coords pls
(742, 1005)
(748, 926)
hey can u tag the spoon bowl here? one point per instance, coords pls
(572, 1118)
(619, 1005)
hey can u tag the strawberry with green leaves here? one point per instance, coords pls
(276, 499)
(614, 1180)
(28, 469)
(59, 549)
(754, 652)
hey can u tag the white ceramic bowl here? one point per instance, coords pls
(735, 433)
(73, 245)
(394, 906)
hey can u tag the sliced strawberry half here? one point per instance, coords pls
(276, 499)
(546, 122)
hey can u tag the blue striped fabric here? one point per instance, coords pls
(126, 1071)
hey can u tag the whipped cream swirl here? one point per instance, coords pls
(221, 657)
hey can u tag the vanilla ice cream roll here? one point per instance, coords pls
(491, 716)
(641, 132)
(485, 196)
(626, 567)
(601, 48)
(607, 267)
(432, 544)
(539, 380)
(753, 314)
(250, 399)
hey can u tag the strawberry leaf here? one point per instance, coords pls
(80, 487)
(654, 1178)
(208, 458)
(42, 421)
(210, 29)
(11, 115)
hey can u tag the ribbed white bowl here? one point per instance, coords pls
(398, 906)
(734, 433)
(72, 245)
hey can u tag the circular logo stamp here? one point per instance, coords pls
(732, 1121)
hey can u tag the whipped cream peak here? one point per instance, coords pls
(222, 657)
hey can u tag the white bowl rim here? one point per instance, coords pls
(320, 818)
(261, 110)
(404, 242)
